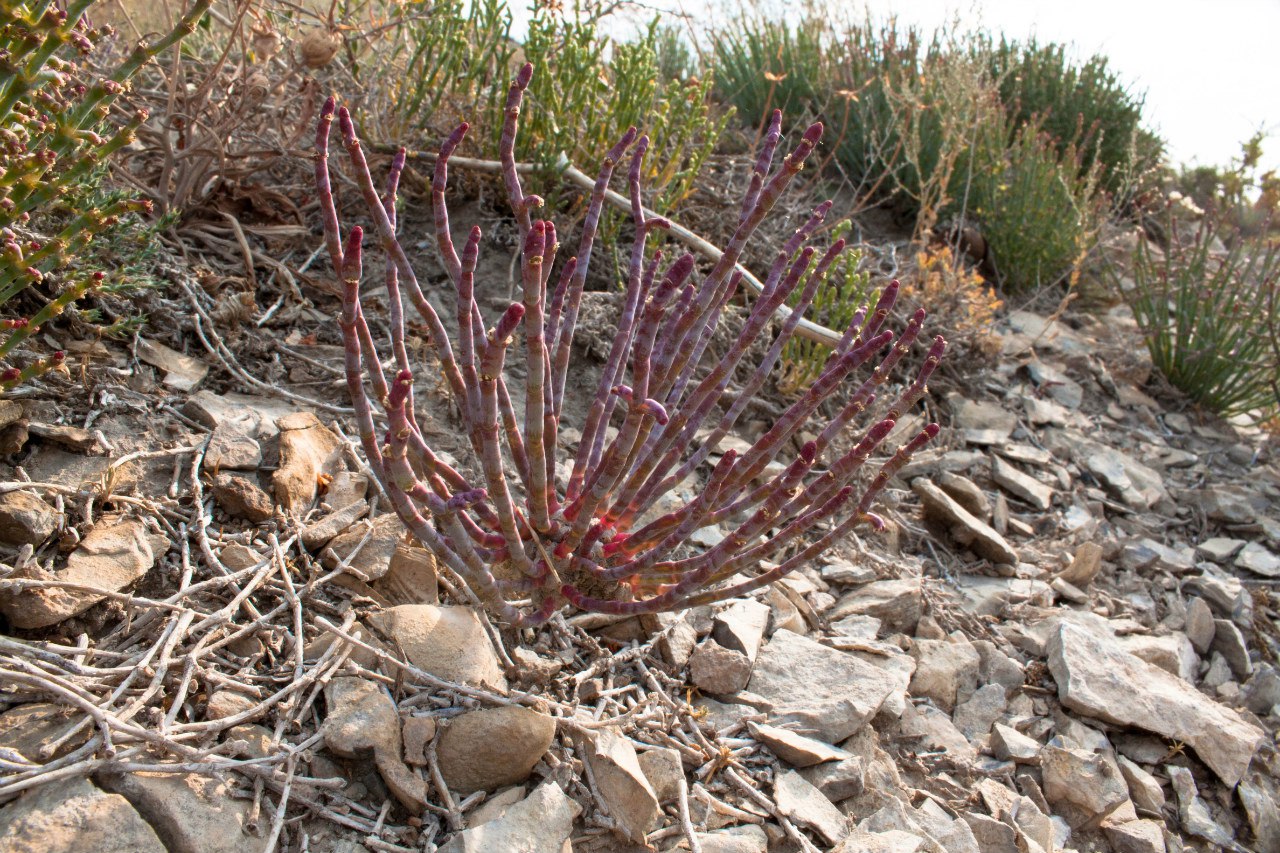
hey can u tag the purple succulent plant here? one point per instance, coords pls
(526, 541)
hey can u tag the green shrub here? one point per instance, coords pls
(1211, 318)
(1039, 211)
(1084, 107)
(1236, 194)
(845, 290)
(57, 130)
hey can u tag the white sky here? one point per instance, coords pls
(1210, 68)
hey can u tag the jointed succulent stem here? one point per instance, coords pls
(528, 541)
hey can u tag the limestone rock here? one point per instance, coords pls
(241, 497)
(1259, 560)
(1096, 677)
(896, 603)
(25, 519)
(741, 627)
(447, 641)
(664, 769)
(1136, 836)
(1021, 485)
(362, 719)
(72, 816)
(412, 576)
(966, 493)
(111, 556)
(306, 448)
(1194, 812)
(747, 838)
(837, 780)
(946, 671)
(35, 727)
(540, 823)
(795, 749)
(227, 703)
(1199, 627)
(975, 716)
(963, 526)
(486, 749)
(820, 691)
(190, 812)
(232, 447)
(806, 805)
(1229, 642)
(717, 670)
(376, 549)
(1144, 790)
(320, 532)
(1009, 744)
(1173, 653)
(627, 794)
(417, 733)
(1084, 566)
(1088, 781)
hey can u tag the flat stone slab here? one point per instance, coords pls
(1096, 677)
(822, 692)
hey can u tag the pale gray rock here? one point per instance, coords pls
(807, 806)
(739, 839)
(988, 596)
(795, 749)
(1085, 565)
(417, 734)
(966, 493)
(1021, 485)
(261, 413)
(72, 816)
(486, 749)
(540, 823)
(242, 497)
(1087, 781)
(896, 603)
(1096, 677)
(1229, 642)
(1225, 593)
(114, 554)
(975, 716)
(740, 626)
(837, 780)
(998, 668)
(625, 790)
(717, 670)
(1193, 812)
(232, 447)
(993, 836)
(25, 519)
(946, 671)
(1128, 479)
(377, 541)
(1173, 653)
(1144, 790)
(1055, 383)
(448, 642)
(190, 812)
(1136, 836)
(228, 703)
(664, 770)
(362, 722)
(1199, 625)
(982, 415)
(1260, 796)
(1220, 549)
(1262, 692)
(319, 533)
(1009, 744)
(1226, 504)
(815, 689)
(307, 449)
(893, 841)
(842, 572)
(962, 525)
(1259, 560)
(935, 732)
(32, 729)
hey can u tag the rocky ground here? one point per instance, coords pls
(215, 638)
